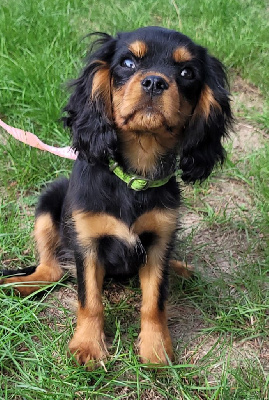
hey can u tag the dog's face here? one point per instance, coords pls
(150, 75)
(156, 88)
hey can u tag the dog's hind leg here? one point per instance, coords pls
(32, 279)
(47, 236)
(182, 269)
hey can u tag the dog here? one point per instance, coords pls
(148, 103)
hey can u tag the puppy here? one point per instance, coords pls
(148, 104)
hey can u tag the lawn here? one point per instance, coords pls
(219, 321)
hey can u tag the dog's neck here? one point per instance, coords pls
(147, 154)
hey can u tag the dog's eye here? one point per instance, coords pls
(128, 63)
(187, 73)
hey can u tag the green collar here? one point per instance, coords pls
(137, 182)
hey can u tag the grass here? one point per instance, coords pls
(220, 320)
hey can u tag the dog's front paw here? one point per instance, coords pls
(155, 346)
(88, 351)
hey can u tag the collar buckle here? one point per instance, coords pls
(113, 166)
(142, 182)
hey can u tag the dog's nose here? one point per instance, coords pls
(154, 85)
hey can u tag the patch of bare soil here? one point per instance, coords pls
(245, 96)
(184, 321)
(246, 137)
(217, 249)
(57, 303)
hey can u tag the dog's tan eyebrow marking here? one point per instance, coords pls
(181, 54)
(138, 48)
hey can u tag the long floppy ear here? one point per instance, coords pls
(202, 148)
(89, 108)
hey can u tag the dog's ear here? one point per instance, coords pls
(202, 142)
(89, 108)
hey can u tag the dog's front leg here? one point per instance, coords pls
(104, 244)
(88, 342)
(155, 343)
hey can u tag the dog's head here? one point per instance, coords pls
(149, 93)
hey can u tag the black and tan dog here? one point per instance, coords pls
(148, 103)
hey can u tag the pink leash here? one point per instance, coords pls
(32, 140)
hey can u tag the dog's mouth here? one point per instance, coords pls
(144, 117)
(147, 115)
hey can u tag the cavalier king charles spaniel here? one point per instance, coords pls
(148, 105)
